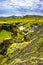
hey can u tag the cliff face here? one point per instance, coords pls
(21, 44)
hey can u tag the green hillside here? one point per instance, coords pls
(21, 40)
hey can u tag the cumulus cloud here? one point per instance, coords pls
(21, 7)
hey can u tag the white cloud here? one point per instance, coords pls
(5, 5)
(23, 2)
(18, 3)
(16, 6)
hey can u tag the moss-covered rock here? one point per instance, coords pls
(21, 45)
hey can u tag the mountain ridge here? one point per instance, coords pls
(13, 16)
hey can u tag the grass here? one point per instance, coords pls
(21, 46)
(4, 35)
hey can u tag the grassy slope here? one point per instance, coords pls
(21, 47)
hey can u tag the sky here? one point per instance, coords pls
(21, 7)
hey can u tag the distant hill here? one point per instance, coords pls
(10, 17)
(32, 16)
(21, 16)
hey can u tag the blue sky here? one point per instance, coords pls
(21, 7)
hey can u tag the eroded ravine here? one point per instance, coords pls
(29, 37)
